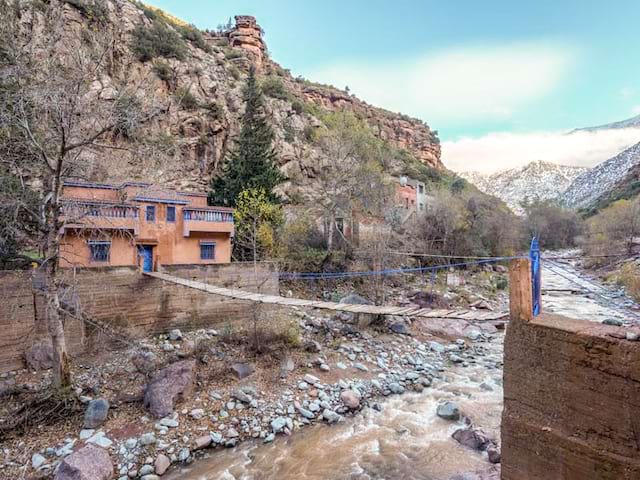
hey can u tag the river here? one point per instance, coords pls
(406, 440)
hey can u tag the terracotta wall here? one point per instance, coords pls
(572, 402)
(128, 302)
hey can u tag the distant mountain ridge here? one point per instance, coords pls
(633, 122)
(595, 183)
(537, 180)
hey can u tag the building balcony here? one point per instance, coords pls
(100, 215)
(207, 220)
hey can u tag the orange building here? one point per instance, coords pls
(137, 224)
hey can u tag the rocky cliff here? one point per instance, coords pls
(201, 75)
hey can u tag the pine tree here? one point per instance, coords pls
(252, 162)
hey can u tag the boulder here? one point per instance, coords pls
(175, 335)
(88, 463)
(494, 455)
(312, 346)
(448, 411)
(355, 299)
(242, 370)
(350, 399)
(471, 438)
(170, 385)
(39, 356)
(96, 413)
(399, 328)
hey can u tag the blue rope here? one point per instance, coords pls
(337, 275)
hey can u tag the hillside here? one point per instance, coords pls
(537, 180)
(200, 75)
(598, 182)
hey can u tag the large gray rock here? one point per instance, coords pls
(96, 413)
(39, 356)
(88, 463)
(170, 385)
(448, 411)
(242, 370)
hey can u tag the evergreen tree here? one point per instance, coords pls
(252, 162)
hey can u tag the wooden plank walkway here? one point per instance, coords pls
(469, 315)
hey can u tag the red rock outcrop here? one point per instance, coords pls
(247, 35)
(572, 394)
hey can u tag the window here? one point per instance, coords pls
(171, 214)
(151, 213)
(99, 251)
(207, 250)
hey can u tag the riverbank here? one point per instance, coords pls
(317, 370)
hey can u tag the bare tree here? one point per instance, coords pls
(56, 119)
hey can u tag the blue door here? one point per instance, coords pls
(146, 254)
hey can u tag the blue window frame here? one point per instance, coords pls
(100, 251)
(171, 214)
(207, 250)
(151, 213)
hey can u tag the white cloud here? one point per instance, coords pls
(501, 150)
(464, 84)
(635, 109)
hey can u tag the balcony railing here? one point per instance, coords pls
(207, 215)
(78, 210)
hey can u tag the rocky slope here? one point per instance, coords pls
(537, 180)
(589, 186)
(207, 79)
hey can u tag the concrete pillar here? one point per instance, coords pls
(520, 290)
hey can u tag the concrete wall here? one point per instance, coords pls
(128, 302)
(572, 402)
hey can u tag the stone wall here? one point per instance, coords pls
(572, 397)
(128, 302)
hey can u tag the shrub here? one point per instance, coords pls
(297, 106)
(192, 34)
(215, 111)
(186, 99)
(94, 10)
(157, 41)
(231, 53)
(310, 133)
(163, 70)
(126, 111)
(235, 72)
(274, 88)
(502, 283)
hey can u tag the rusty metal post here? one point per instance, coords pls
(520, 290)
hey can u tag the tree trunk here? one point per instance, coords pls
(332, 222)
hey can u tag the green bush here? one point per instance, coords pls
(158, 40)
(163, 70)
(215, 111)
(235, 72)
(231, 53)
(297, 105)
(186, 99)
(94, 10)
(126, 112)
(192, 34)
(502, 283)
(274, 88)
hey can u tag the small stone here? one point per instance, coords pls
(201, 442)
(278, 424)
(242, 370)
(86, 433)
(241, 396)
(361, 367)
(37, 461)
(147, 439)
(396, 388)
(169, 422)
(448, 411)
(269, 438)
(100, 440)
(494, 455)
(350, 399)
(184, 455)
(330, 416)
(196, 413)
(632, 336)
(145, 470)
(312, 346)
(175, 335)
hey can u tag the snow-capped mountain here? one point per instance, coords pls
(633, 122)
(592, 184)
(538, 180)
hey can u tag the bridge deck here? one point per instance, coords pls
(472, 315)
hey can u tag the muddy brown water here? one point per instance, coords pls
(404, 441)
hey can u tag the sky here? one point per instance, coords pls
(502, 81)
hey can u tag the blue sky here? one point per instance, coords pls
(470, 69)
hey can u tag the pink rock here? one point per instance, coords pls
(170, 385)
(469, 437)
(202, 442)
(88, 463)
(350, 399)
(162, 464)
